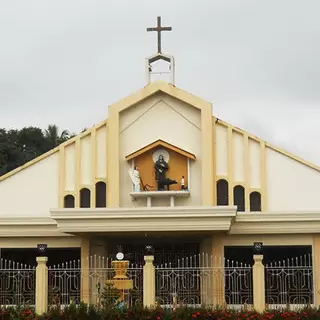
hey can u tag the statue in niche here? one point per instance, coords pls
(161, 167)
(136, 179)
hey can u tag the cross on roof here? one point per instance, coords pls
(159, 29)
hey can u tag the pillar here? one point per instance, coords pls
(149, 290)
(218, 270)
(316, 267)
(41, 285)
(258, 284)
(85, 272)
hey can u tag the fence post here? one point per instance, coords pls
(258, 283)
(149, 290)
(41, 285)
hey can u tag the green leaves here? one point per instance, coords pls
(20, 146)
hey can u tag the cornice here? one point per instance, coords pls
(298, 222)
(144, 219)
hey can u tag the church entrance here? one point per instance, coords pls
(167, 250)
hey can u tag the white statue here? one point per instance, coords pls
(136, 179)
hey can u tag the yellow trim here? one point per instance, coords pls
(263, 177)
(52, 151)
(66, 193)
(219, 177)
(62, 176)
(162, 144)
(78, 172)
(113, 168)
(246, 164)
(93, 168)
(29, 163)
(214, 140)
(230, 165)
(271, 146)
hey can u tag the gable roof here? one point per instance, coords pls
(144, 93)
(160, 86)
(161, 143)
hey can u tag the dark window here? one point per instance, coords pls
(222, 192)
(255, 201)
(85, 198)
(69, 201)
(238, 197)
(101, 195)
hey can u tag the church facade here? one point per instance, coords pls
(162, 170)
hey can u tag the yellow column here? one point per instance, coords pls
(316, 266)
(41, 286)
(85, 272)
(149, 291)
(259, 300)
(218, 270)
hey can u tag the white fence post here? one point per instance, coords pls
(258, 273)
(41, 286)
(149, 291)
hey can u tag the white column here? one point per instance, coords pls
(41, 286)
(149, 202)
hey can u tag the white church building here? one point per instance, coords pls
(163, 170)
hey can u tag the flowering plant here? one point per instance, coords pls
(84, 312)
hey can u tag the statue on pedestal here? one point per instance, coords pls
(136, 179)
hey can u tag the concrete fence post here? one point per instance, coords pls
(149, 290)
(258, 274)
(41, 285)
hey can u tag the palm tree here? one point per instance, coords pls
(54, 137)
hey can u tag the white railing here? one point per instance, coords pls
(204, 280)
(17, 283)
(289, 282)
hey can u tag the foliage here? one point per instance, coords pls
(111, 312)
(20, 146)
(110, 294)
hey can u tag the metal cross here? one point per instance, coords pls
(159, 29)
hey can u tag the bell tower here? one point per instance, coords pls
(166, 61)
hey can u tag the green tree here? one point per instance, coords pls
(20, 146)
(54, 137)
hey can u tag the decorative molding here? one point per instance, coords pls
(160, 143)
(144, 219)
(29, 227)
(298, 222)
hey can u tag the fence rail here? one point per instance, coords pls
(66, 281)
(197, 280)
(204, 280)
(290, 281)
(17, 283)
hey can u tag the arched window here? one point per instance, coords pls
(238, 197)
(101, 195)
(255, 201)
(222, 192)
(85, 198)
(69, 201)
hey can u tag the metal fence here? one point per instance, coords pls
(204, 280)
(290, 282)
(69, 282)
(17, 283)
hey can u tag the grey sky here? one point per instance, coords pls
(257, 61)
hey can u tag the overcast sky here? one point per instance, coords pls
(257, 61)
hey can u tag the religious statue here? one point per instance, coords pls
(136, 179)
(161, 167)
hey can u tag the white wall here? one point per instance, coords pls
(31, 192)
(160, 117)
(290, 184)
